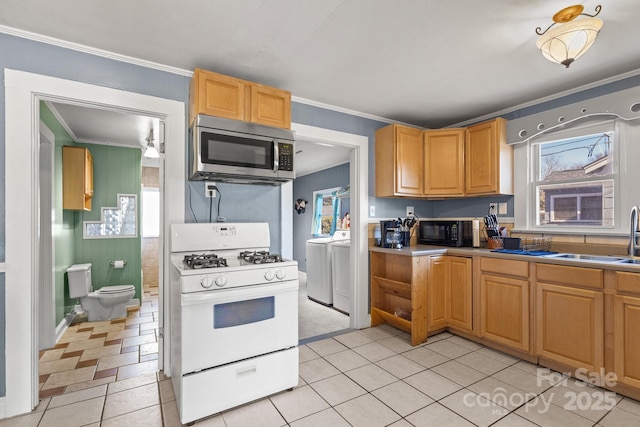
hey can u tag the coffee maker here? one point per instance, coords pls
(389, 229)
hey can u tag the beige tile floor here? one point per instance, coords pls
(372, 377)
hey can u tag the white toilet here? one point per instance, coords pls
(108, 302)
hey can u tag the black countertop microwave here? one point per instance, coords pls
(445, 233)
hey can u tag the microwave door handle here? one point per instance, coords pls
(276, 156)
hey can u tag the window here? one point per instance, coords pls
(326, 210)
(573, 181)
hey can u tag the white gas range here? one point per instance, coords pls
(234, 311)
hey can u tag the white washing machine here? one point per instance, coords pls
(318, 253)
(340, 273)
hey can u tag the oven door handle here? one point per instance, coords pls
(220, 296)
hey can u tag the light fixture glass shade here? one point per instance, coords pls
(151, 152)
(566, 42)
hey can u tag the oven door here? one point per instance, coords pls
(227, 325)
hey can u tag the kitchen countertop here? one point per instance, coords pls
(421, 250)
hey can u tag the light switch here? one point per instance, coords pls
(502, 208)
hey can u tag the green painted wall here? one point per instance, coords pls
(115, 170)
(63, 220)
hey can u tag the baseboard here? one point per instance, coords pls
(62, 326)
(135, 302)
(3, 414)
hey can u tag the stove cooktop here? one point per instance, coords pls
(244, 258)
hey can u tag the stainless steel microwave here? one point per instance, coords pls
(235, 151)
(446, 233)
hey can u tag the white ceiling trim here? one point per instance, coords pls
(344, 110)
(93, 51)
(549, 98)
(61, 120)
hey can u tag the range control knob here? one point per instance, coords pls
(268, 275)
(221, 281)
(206, 283)
(280, 274)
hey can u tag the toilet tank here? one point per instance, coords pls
(79, 280)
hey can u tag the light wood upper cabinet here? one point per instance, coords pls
(270, 106)
(399, 161)
(218, 95)
(444, 162)
(569, 320)
(488, 159)
(77, 178)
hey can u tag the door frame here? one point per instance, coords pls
(359, 317)
(23, 92)
(47, 331)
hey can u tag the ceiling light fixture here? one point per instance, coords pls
(570, 39)
(151, 152)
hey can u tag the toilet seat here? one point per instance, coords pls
(116, 289)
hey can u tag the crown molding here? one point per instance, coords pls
(93, 51)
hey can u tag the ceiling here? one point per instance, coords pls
(428, 63)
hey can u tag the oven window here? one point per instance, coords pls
(243, 312)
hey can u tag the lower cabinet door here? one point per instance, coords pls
(569, 326)
(504, 311)
(459, 293)
(627, 340)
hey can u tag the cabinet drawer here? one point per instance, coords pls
(628, 282)
(505, 266)
(572, 276)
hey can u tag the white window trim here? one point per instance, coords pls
(327, 191)
(626, 153)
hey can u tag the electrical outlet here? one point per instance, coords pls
(372, 211)
(502, 208)
(493, 208)
(209, 189)
(410, 210)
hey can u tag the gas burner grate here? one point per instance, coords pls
(197, 261)
(259, 257)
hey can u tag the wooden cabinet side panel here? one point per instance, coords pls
(626, 340)
(420, 269)
(570, 325)
(505, 310)
(444, 162)
(270, 106)
(385, 161)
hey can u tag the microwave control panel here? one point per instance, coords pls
(285, 158)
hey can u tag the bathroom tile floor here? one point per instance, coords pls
(91, 354)
(372, 377)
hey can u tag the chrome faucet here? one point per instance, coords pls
(634, 233)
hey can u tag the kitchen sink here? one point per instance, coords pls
(629, 261)
(584, 257)
(595, 258)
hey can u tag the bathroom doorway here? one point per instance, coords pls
(22, 183)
